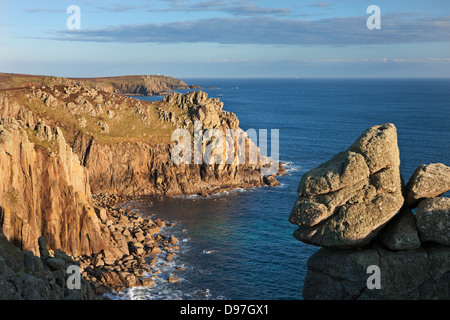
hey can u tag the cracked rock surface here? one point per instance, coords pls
(344, 202)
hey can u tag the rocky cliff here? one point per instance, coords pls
(62, 143)
(44, 191)
(354, 207)
(136, 168)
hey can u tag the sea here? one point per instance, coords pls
(239, 245)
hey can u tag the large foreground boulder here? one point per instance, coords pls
(352, 201)
(344, 202)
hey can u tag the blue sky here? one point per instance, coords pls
(215, 38)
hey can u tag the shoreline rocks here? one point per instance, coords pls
(140, 242)
(142, 238)
(408, 254)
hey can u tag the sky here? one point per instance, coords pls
(227, 39)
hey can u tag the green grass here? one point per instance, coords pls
(50, 146)
(126, 126)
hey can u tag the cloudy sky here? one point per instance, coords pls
(215, 38)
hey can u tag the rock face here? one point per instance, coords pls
(137, 168)
(45, 192)
(412, 275)
(401, 232)
(428, 181)
(433, 220)
(142, 237)
(352, 201)
(345, 201)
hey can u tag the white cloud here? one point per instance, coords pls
(275, 31)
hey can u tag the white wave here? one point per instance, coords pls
(191, 196)
(291, 167)
(214, 195)
(208, 251)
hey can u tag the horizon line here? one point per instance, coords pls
(180, 77)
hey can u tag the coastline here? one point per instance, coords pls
(147, 243)
(146, 238)
(113, 246)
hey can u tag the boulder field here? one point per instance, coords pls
(354, 207)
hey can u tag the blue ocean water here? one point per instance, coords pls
(239, 245)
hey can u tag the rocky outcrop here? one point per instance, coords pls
(428, 181)
(126, 144)
(198, 107)
(59, 143)
(419, 274)
(405, 255)
(44, 191)
(345, 201)
(145, 241)
(137, 168)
